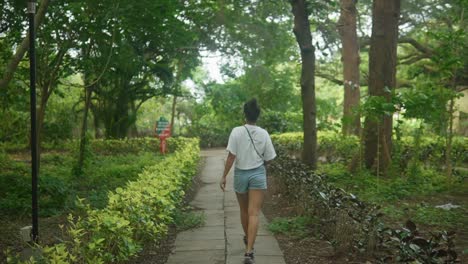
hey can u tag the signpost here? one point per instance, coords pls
(163, 131)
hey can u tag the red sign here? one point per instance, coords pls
(163, 128)
(163, 131)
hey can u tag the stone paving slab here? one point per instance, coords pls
(202, 244)
(203, 233)
(259, 260)
(264, 246)
(213, 217)
(219, 241)
(198, 257)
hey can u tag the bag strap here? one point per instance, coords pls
(258, 153)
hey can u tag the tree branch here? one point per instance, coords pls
(414, 58)
(329, 77)
(421, 48)
(461, 88)
(400, 83)
(365, 41)
(23, 47)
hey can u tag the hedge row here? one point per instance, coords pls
(103, 146)
(132, 145)
(141, 211)
(335, 147)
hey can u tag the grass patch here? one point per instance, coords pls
(297, 227)
(187, 219)
(430, 215)
(58, 188)
(421, 181)
(424, 214)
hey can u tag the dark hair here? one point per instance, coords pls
(252, 110)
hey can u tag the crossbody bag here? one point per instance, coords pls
(258, 153)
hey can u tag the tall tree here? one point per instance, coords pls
(304, 39)
(351, 60)
(382, 78)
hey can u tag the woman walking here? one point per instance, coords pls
(251, 148)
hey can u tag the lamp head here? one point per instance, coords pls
(32, 6)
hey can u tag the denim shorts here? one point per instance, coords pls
(253, 179)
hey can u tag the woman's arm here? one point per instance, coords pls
(227, 167)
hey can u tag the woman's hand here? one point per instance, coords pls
(222, 183)
(227, 167)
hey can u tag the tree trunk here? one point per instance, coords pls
(304, 39)
(22, 48)
(133, 130)
(48, 84)
(96, 122)
(84, 127)
(118, 115)
(448, 150)
(351, 60)
(382, 78)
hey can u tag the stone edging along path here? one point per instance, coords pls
(219, 240)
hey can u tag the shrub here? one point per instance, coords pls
(333, 147)
(140, 211)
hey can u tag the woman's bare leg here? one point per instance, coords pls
(255, 205)
(243, 200)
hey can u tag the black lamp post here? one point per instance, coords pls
(34, 146)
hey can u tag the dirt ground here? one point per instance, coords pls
(312, 249)
(309, 250)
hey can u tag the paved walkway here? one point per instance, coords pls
(219, 241)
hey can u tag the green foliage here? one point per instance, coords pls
(428, 103)
(4, 160)
(58, 186)
(13, 127)
(334, 147)
(83, 159)
(61, 118)
(328, 113)
(140, 211)
(412, 247)
(429, 215)
(125, 146)
(420, 181)
(298, 227)
(331, 145)
(15, 188)
(279, 122)
(375, 107)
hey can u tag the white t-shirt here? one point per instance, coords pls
(240, 145)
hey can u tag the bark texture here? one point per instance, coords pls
(351, 60)
(382, 78)
(304, 39)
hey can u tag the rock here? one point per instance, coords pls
(447, 206)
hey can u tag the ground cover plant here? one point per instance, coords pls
(373, 207)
